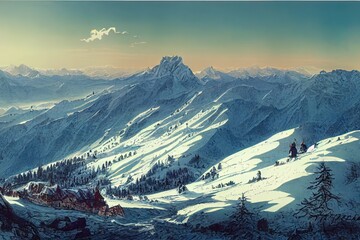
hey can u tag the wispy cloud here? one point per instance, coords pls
(137, 43)
(95, 34)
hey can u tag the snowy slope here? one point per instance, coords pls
(40, 138)
(285, 186)
(278, 195)
(239, 113)
(167, 116)
(275, 198)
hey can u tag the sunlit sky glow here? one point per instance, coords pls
(324, 35)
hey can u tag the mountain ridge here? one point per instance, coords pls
(179, 95)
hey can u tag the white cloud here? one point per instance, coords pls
(137, 43)
(95, 34)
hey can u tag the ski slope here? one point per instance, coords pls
(283, 188)
(276, 197)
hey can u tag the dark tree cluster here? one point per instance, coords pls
(158, 166)
(124, 156)
(257, 178)
(221, 185)
(318, 205)
(91, 154)
(242, 215)
(172, 179)
(242, 222)
(67, 173)
(196, 161)
(59, 172)
(144, 184)
(353, 173)
(119, 192)
(213, 173)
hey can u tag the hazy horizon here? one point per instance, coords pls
(310, 69)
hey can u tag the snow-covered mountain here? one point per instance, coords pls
(101, 72)
(172, 66)
(108, 72)
(211, 74)
(253, 108)
(261, 72)
(206, 209)
(21, 70)
(271, 74)
(30, 90)
(308, 70)
(165, 127)
(61, 72)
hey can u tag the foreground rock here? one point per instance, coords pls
(81, 199)
(12, 226)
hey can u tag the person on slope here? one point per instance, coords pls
(258, 176)
(293, 151)
(303, 147)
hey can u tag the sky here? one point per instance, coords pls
(226, 35)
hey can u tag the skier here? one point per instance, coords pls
(213, 172)
(293, 151)
(258, 176)
(303, 147)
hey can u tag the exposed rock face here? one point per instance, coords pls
(13, 226)
(35, 187)
(84, 234)
(65, 224)
(113, 211)
(80, 199)
(175, 68)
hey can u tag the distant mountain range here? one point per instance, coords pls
(105, 72)
(255, 71)
(251, 105)
(109, 72)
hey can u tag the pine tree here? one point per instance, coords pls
(39, 172)
(317, 206)
(242, 215)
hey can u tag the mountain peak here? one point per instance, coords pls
(169, 65)
(210, 69)
(212, 73)
(21, 70)
(171, 60)
(173, 66)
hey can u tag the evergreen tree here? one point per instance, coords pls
(242, 221)
(242, 215)
(317, 206)
(39, 172)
